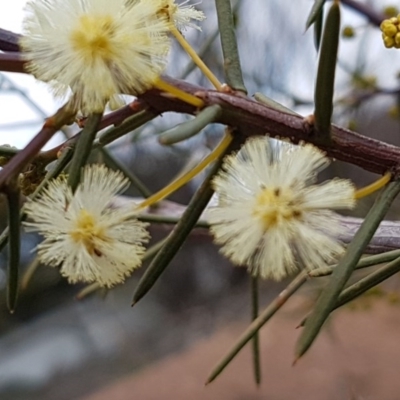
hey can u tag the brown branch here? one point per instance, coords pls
(373, 16)
(11, 62)
(254, 118)
(18, 163)
(9, 41)
(116, 117)
(359, 96)
(112, 118)
(386, 238)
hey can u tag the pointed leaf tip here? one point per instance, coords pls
(315, 11)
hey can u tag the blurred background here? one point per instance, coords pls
(56, 347)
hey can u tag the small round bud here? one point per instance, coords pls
(391, 11)
(388, 28)
(397, 39)
(388, 42)
(348, 32)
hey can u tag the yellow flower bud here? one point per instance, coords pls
(397, 38)
(391, 11)
(348, 32)
(388, 28)
(388, 42)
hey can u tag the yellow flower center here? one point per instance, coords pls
(92, 36)
(86, 231)
(274, 205)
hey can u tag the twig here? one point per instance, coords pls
(365, 9)
(9, 40)
(254, 118)
(25, 156)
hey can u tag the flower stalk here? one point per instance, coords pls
(178, 183)
(196, 59)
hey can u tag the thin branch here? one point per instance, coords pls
(18, 163)
(12, 62)
(9, 41)
(254, 118)
(386, 238)
(118, 118)
(365, 9)
(368, 153)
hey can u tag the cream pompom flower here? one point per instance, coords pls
(91, 241)
(181, 15)
(96, 48)
(271, 216)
